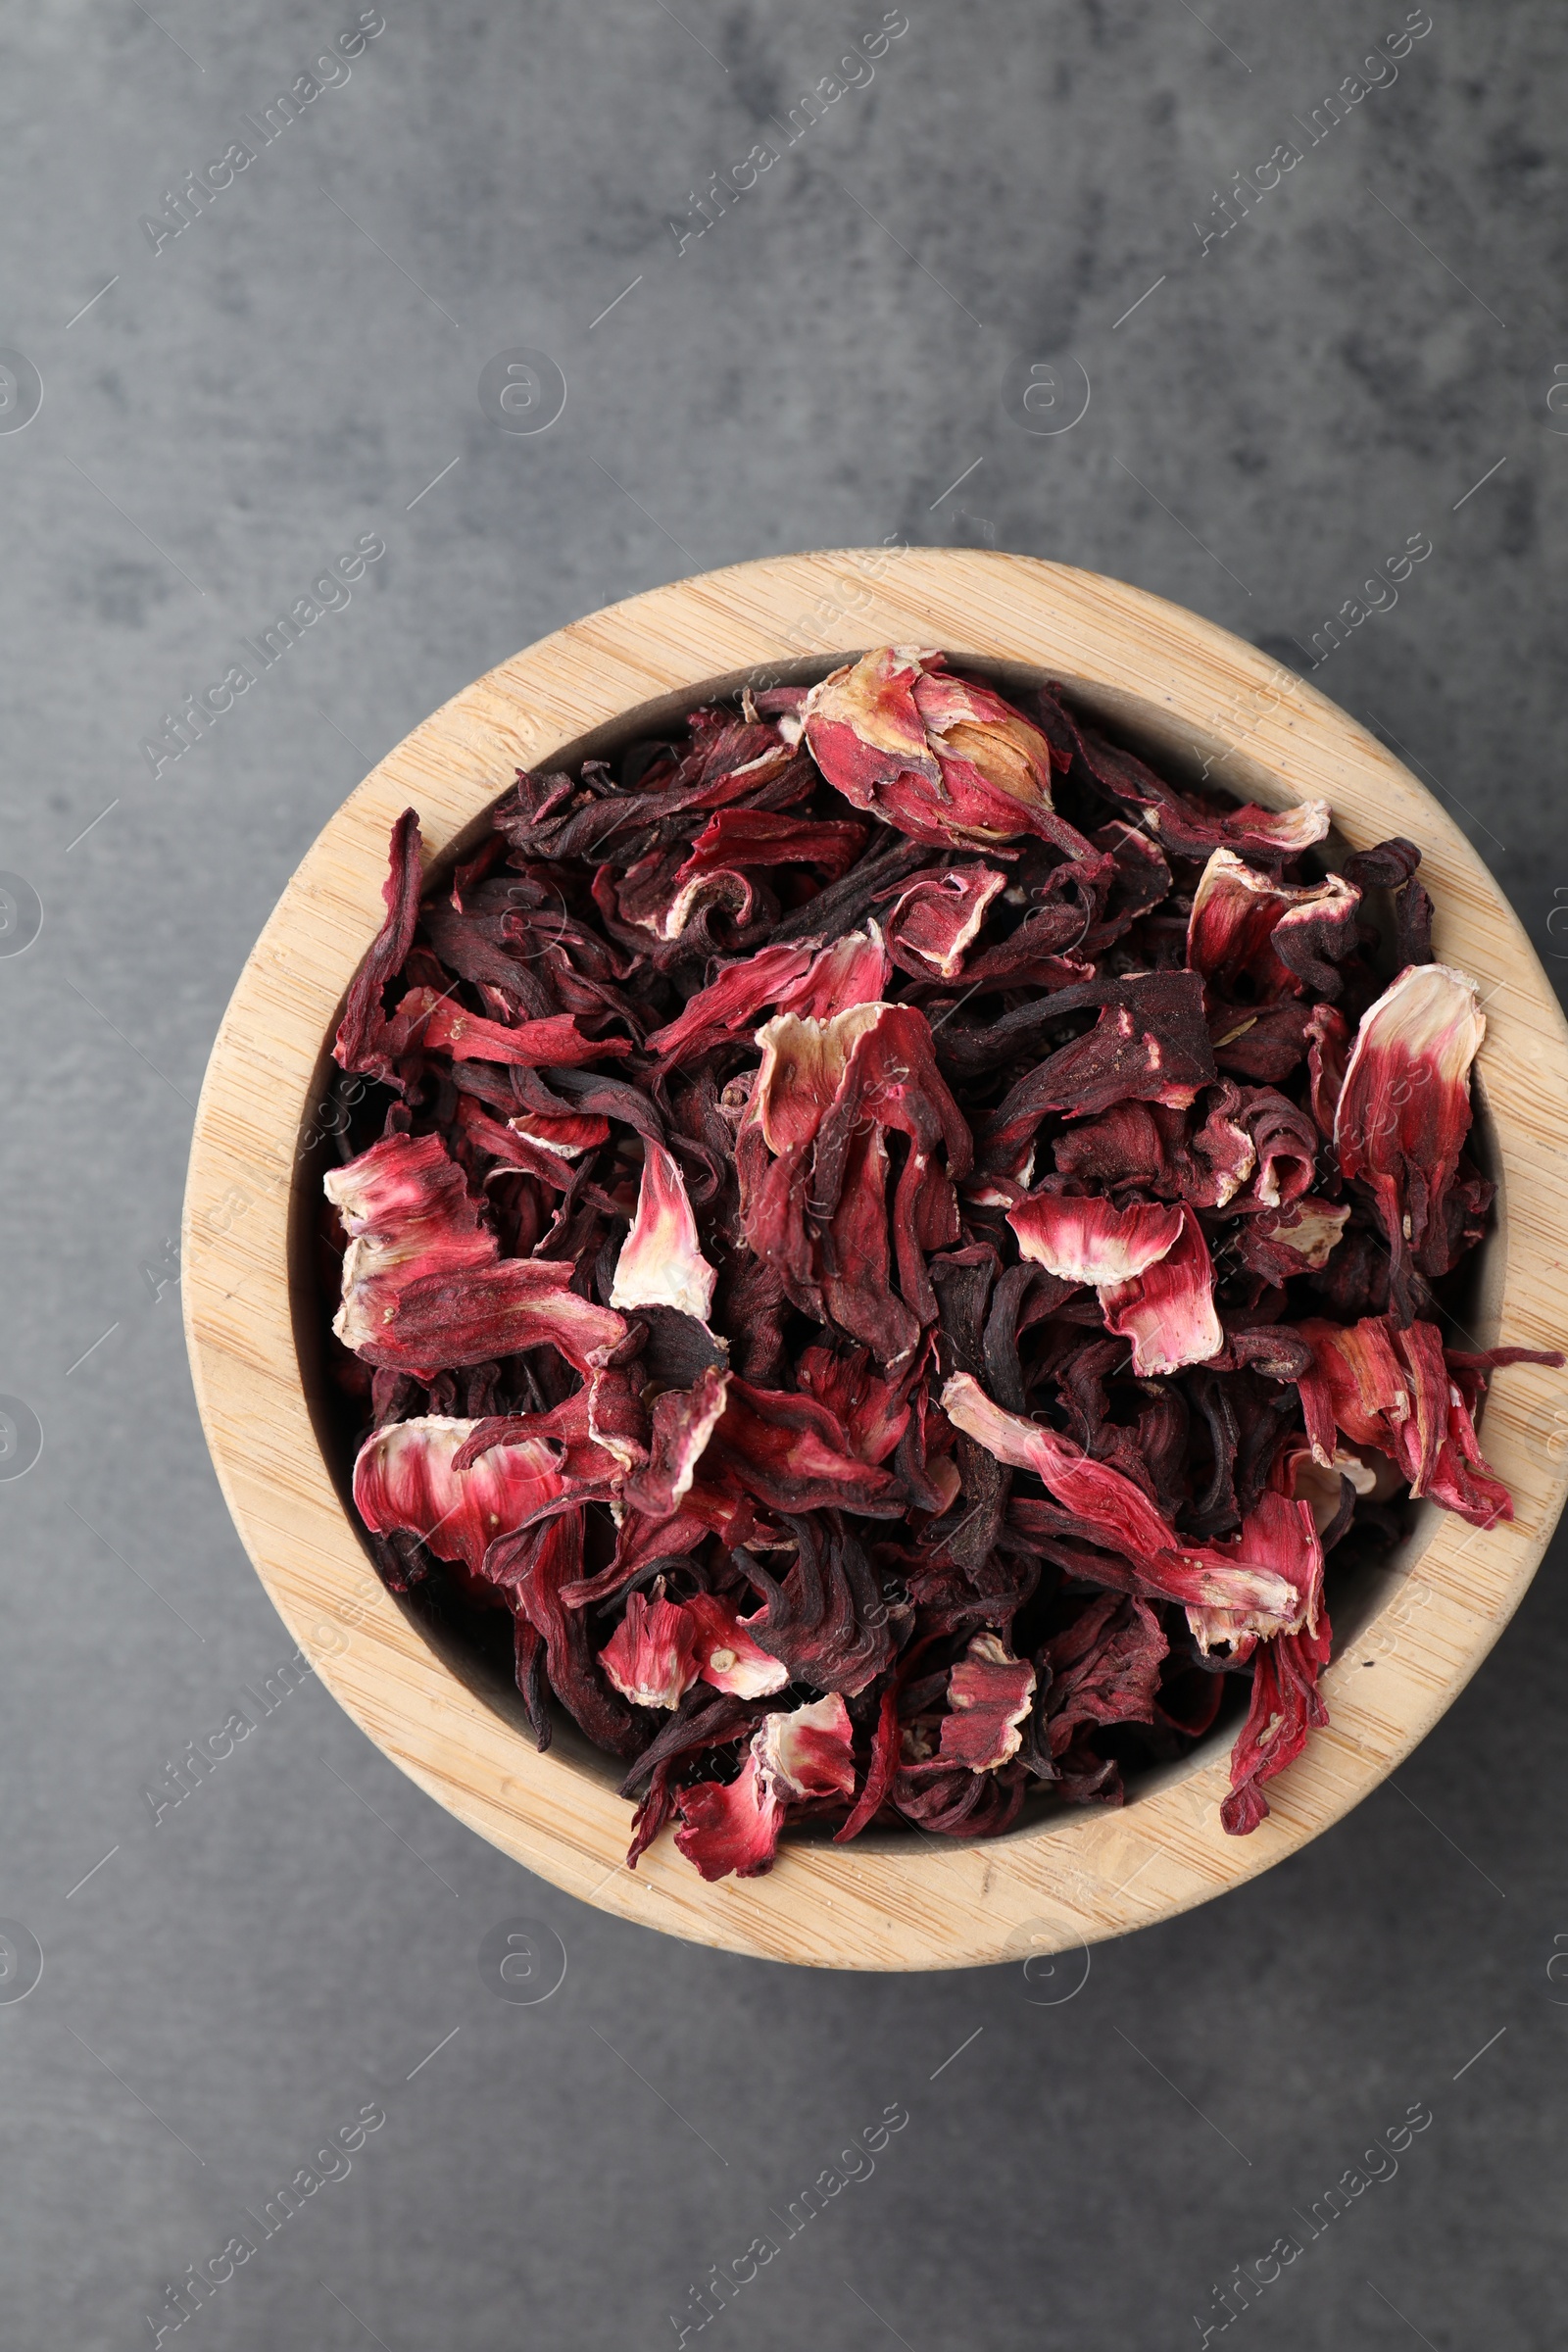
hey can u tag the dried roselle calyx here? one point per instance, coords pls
(869, 1234)
(944, 759)
(651, 1657)
(795, 1756)
(661, 1262)
(1281, 938)
(1403, 1113)
(988, 1696)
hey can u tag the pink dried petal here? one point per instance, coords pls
(404, 1480)
(807, 1751)
(1405, 1108)
(734, 1828)
(989, 1694)
(937, 919)
(682, 1422)
(424, 1285)
(1118, 1515)
(404, 1205)
(661, 1262)
(1169, 1312)
(1090, 1240)
(727, 1656)
(651, 1657)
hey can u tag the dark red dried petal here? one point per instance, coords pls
(361, 1042)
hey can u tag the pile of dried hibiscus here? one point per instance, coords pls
(896, 1244)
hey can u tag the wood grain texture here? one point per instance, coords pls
(889, 1901)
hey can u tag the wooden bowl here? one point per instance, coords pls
(1409, 1637)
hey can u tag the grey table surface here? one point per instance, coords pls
(1367, 356)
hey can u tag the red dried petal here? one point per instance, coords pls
(989, 1694)
(1284, 1706)
(794, 1456)
(800, 1754)
(1149, 1043)
(682, 1422)
(748, 837)
(1115, 1513)
(1278, 934)
(1404, 1109)
(943, 761)
(1169, 1312)
(1278, 1534)
(734, 1828)
(404, 1478)
(936, 919)
(428, 1022)
(361, 1042)
(727, 1656)
(728, 1003)
(1391, 1388)
(435, 1321)
(1104, 1668)
(651, 1657)
(805, 1752)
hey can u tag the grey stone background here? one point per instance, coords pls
(1376, 338)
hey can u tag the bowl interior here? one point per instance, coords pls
(1357, 1591)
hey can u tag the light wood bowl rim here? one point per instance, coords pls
(893, 1902)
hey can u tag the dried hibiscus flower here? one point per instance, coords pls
(893, 1250)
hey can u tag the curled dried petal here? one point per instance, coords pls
(404, 1478)
(1168, 1311)
(1089, 1241)
(1404, 1109)
(651, 1657)
(989, 1694)
(661, 1262)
